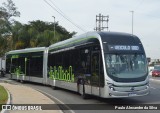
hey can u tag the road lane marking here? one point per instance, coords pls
(156, 80)
(152, 87)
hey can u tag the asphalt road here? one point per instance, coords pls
(68, 97)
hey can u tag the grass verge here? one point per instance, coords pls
(3, 96)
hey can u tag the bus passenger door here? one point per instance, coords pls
(95, 73)
(28, 69)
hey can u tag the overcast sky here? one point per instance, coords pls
(83, 13)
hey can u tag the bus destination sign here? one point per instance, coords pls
(123, 47)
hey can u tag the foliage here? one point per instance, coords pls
(3, 95)
(15, 35)
(38, 34)
(7, 11)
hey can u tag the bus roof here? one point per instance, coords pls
(81, 39)
(108, 37)
(27, 50)
(118, 37)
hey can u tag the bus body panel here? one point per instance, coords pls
(26, 54)
(36, 79)
(45, 70)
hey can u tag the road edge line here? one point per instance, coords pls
(55, 100)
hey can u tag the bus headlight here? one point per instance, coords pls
(110, 85)
(112, 88)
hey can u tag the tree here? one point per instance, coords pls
(3, 46)
(45, 36)
(37, 34)
(7, 11)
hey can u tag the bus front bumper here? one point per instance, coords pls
(143, 92)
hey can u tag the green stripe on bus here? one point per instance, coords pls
(72, 42)
(61, 74)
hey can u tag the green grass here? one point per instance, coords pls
(3, 95)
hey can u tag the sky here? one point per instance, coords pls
(146, 17)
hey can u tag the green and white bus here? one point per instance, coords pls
(105, 64)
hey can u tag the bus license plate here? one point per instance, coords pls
(132, 94)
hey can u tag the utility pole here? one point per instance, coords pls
(100, 19)
(54, 25)
(132, 20)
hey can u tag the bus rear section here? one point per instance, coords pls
(27, 64)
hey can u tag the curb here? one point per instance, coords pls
(56, 101)
(8, 101)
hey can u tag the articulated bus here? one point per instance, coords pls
(104, 64)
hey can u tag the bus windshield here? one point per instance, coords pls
(126, 66)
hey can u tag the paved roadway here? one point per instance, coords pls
(69, 97)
